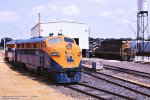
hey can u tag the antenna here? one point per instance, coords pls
(60, 34)
(51, 34)
(132, 29)
(4, 43)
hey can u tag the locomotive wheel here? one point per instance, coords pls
(129, 58)
(20, 68)
(44, 72)
(24, 68)
(38, 71)
(90, 55)
(132, 58)
(6, 59)
(17, 65)
(125, 58)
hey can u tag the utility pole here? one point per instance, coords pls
(4, 44)
(39, 16)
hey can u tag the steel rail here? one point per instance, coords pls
(82, 91)
(101, 90)
(126, 87)
(133, 72)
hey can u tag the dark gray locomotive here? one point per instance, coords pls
(115, 48)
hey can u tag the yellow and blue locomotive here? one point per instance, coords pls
(57, 56)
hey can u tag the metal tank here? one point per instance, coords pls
(142, 5)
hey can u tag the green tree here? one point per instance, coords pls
(6, 40)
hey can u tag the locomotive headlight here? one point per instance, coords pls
(69, 46)
(55, 54)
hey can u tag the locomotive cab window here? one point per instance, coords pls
(54, 40)
(124, 42)
(9, 49)
(69, 40)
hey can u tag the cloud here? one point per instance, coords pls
(54, 19)
(38, 9)
(105, 14)
(53, 7)
(97, 1)
(120, 13)
(70, 10)
(8, 16)
(113, 14)
(117, 15)
(67, 19)
(125, 21)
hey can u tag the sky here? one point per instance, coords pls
(106, 18)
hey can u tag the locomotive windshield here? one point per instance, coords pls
(54, 40)
(69, 40)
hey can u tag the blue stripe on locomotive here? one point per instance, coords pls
(61, 73)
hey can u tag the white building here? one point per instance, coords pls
(79, 31)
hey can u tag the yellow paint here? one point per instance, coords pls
(61, 47)
(134, 81)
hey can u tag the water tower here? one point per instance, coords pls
(142, 24)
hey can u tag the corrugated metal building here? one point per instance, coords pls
(79, 31)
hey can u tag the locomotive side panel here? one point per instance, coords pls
(47, 61)
(115, 49)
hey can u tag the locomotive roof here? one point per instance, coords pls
(32, 40)
(114, 40)
(12, 42)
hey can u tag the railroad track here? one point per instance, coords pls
(97, 93)
(132, 86)
(143, 63)
(129, 71)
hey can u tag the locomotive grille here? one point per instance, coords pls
(71, 74)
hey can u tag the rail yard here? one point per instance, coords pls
(118, 80)
(74, 50)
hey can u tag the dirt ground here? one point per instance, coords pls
(14, 86)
